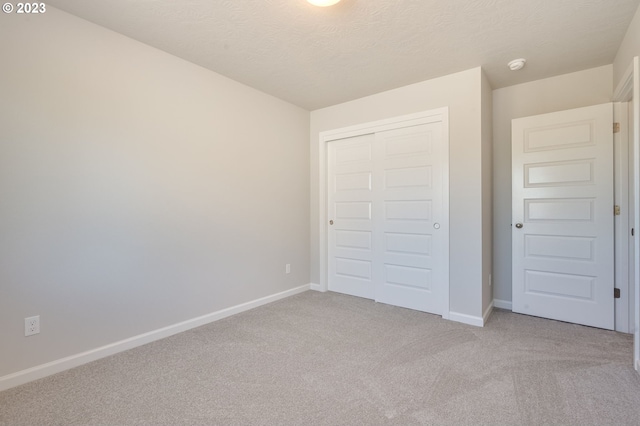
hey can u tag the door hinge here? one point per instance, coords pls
(616, 127)
(633, 232)
(616, 210)
(616, 293)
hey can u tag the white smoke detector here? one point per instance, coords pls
(516, 64)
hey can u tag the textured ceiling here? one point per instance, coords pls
(316, 57)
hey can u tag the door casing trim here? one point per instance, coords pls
(629, 90)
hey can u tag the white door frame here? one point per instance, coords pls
(628, 90)
(622, 222)
(439, 114)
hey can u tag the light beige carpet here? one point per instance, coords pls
(330, 359)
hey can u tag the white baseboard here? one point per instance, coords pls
(466, 319)
(53, 367)
(487, 313)
(502, 304)
(317, 287)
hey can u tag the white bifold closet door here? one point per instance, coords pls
(387, 234)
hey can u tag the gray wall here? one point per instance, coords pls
(137, 190)
(629, 48)
(583, 88)
(487, 193)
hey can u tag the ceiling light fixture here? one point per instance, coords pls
(516, 64)
(323, 3)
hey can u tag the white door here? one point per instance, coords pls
(350, 193)
(388, 230)
(410, 242)
(562, 230)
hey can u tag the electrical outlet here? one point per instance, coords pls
(287, 268)
(32, 325)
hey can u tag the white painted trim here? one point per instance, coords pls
(317, 287)
(466, 319)
(622, 234)
(415, 119)
(445, 210)
(487, 313)
(53, 367)
(502, 304)
(636, 177)
(431, 116)
(624, 91)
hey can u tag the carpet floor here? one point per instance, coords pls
(331, 359)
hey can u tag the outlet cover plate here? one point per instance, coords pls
(32, 325)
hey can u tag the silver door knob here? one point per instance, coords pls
(518, 225)
(331, 222)
(436, 225)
